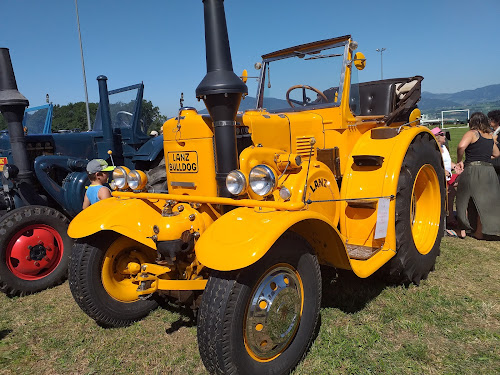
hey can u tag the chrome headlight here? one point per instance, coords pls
(120, 177)
(262, 180)
(136, 180)
(236, 182)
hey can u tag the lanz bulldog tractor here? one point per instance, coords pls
(44, 178)
(257, 200)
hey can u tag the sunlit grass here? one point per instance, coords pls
(450, 324)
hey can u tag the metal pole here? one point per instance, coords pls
(381, 50)
(83, 68)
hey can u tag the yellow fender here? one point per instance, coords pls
(244, 235)
(133, 218)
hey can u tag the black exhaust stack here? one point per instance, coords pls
(12, 106)
(221, 90)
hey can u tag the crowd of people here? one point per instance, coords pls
(474, 183)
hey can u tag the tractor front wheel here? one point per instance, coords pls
(262, 319)
(34, 250)
(101, 280)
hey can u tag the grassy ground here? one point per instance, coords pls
(450, 324)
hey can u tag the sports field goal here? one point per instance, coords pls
(455, 118)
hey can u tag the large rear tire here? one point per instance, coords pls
(263, 318)
(419, 216)
(101, 284)
(34, 250)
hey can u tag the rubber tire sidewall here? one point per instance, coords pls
(15, 221)
(409, 265)
(291, 249)
(88, 291)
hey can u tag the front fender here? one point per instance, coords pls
(133, 218)
(244, 235)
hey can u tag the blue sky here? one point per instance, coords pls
(455, 45)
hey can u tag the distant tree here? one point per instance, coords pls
(73, 116)
(152, 117)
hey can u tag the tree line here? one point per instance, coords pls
(73, 116)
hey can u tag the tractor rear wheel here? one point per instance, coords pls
(34, 250)
(419, 218)
(101, 282)
(263, 318)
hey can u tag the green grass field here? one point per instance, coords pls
(450, 324)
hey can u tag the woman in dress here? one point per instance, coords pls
(478, 189)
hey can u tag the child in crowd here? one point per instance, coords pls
(98, 173)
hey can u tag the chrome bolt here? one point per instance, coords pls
(28, 257)
(180, 208)
(144, 267)
(37, 264)
(192, 217)
(196, 235)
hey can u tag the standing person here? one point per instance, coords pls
(98, 173)
(494, 117)
(478, 181)
(449, 168)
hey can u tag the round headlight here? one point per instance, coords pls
(120, 177)
(136, 180)
(10, 171)
(262, 180)
(236, 182)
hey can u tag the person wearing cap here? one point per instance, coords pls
(98, 173)
(449, 166)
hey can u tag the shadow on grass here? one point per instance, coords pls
(187, 317)
(345, 291)
(4, 333)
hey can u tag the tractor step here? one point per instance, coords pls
(368, 160)
(361, 252)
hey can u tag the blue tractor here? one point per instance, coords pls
(44, 178)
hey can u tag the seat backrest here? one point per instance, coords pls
(377, 98)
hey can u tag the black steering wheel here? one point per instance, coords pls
(305, 99)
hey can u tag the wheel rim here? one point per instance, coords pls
(425, 214)
(273, 313)
(116, 279)
(34, 252)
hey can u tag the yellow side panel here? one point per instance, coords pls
(268, 130)
(191, 167)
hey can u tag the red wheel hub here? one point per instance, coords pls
(34, 252)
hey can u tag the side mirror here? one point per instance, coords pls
(415, 116)
(244, 76)
(359, 61)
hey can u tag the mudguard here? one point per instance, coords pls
(149, 150)
(244, 235)
(133, 218)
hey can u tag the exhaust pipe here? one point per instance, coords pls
(107, 129)
(12, 106)
(221, 91)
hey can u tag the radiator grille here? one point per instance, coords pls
(303, 145)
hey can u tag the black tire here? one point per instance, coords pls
(226, 336)
(410, 265)
(34, 250)
(156, 172)
(86, 282)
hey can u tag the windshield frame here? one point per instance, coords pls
(309, 48)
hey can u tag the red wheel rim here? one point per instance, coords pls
(34, 252)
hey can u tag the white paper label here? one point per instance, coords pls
(382, 218)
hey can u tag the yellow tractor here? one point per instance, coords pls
(323, 170)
